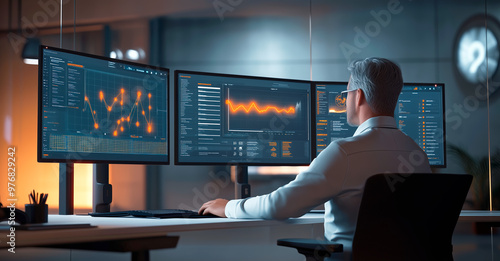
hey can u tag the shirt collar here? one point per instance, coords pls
(376, 122)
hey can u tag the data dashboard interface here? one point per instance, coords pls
(230, 119)
(419, 114)
(97, 109)
(331, 117)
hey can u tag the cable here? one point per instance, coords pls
(310, 40)
(19, 7)
(10, 16)
(74, 25)
(60, 25)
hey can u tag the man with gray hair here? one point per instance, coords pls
(337, 176)
(378, 81)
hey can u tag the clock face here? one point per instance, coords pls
(477, 54)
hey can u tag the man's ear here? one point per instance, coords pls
(360, 97)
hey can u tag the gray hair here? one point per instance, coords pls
(380, 80)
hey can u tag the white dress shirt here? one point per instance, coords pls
(336, 178)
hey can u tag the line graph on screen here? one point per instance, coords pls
(259, 109)
(250, 110)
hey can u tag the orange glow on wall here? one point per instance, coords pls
(19, 107)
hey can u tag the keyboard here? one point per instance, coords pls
(156, 213)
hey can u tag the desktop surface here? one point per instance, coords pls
(130, 227)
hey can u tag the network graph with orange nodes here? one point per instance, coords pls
(128, 118)
(254, 107)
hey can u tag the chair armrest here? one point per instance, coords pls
(312, 247)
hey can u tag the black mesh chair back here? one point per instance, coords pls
(409, 217)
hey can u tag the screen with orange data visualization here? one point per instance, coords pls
(231, 119)
(101, 110)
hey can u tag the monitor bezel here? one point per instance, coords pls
(114, 161)
(313, 86)
(239, 163)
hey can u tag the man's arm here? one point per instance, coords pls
(318, 184)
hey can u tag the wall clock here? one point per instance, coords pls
(477, 52)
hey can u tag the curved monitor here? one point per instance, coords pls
(94, 109)
(233, 119)
(419, 114)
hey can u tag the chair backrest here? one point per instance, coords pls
(409, 216)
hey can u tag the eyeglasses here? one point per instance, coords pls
(343, 94)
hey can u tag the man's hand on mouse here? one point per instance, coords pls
(216, 207)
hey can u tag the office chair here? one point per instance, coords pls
(401, 217)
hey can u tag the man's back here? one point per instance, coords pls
(376, 147)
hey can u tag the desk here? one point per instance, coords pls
(219, 239)
(121, 228)
(131, 228)
(480, 216)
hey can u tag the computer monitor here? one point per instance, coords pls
(419, 114)
(94, 109)
(241, 120)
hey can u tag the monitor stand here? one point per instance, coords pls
(102, 192)
(241, 186)
(66, 188)
(101, 189)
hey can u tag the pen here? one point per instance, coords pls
(32, 198)
(38, 199)
(44, 199)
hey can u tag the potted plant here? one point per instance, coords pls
(479, 169)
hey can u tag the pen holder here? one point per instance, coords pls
(36, 213)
